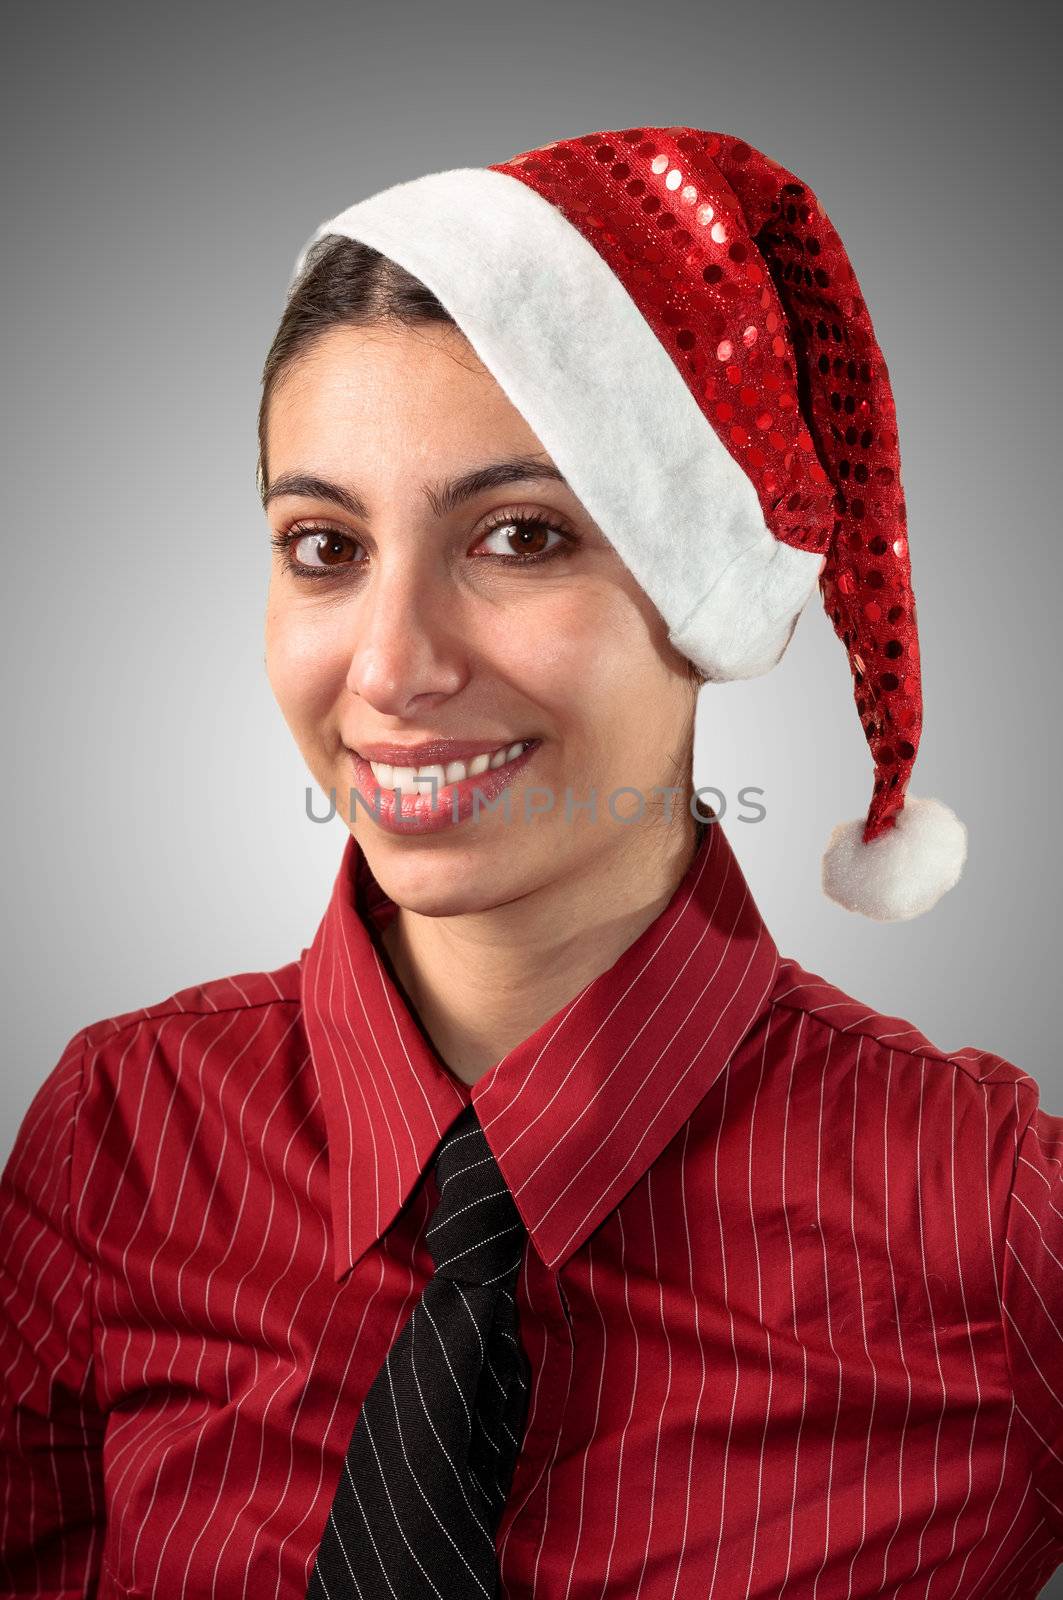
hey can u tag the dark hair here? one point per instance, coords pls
(343, 282)
(347, 282)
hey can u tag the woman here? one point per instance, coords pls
(541, 1229)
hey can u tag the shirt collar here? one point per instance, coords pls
(577, 1112)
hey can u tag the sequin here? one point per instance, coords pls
(798, 392)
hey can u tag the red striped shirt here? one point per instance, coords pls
(791, 1297)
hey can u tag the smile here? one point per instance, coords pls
(390, 777)
(406, 800)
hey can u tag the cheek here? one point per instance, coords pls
(605, 663)
(598, 640)
(590, 633)
(596, 666)
(305, 663)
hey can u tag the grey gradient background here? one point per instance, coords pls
(163, 167)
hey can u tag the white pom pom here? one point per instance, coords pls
(905, 870)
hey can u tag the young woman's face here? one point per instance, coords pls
(419, 617)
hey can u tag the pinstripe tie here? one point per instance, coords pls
(434, 1449)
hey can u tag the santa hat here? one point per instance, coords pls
(676, 318)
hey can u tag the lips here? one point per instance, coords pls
(433, 752)
(405, 811)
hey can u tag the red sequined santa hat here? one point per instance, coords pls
(675, 317)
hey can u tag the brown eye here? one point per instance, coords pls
(523, 537)
(320, 551)
(320, 547)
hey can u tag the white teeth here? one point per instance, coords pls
(406, 777)
(454, 772)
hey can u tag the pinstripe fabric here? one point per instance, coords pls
(431, 1459)
(791, 1298)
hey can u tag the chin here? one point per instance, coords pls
(447, 873)
(444, 898)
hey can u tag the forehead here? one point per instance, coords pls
(424, 386)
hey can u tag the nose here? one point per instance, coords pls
(408, 639)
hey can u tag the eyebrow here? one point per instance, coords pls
(444, 497)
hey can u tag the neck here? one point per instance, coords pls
(482, 984)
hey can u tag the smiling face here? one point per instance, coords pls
(494, 618)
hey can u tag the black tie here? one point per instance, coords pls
(433, 1452)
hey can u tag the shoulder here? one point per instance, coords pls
(877, 1082)
(853, 1030)
(156, 1112)
(184, 1041)
(220, 998)
(133, 1093)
